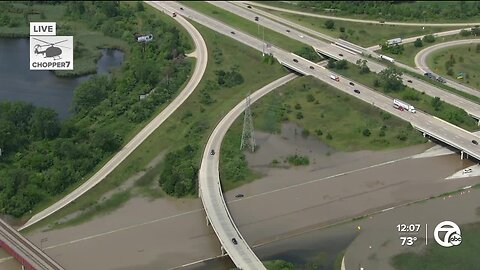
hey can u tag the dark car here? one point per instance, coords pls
(475, 142)
(410, 81)
(351, 83)
(311, 67)
(181, 8)
(295, 60)
(240, 195)
(249, 6)
(340, 54)
(356, 91)
(234, 241)
(233, 33)
(212, 152)
(256, 18)
(288, 31)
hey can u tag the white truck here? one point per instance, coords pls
(389, 59)
(400, 104)
(334, 77)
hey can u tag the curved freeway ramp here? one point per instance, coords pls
(211, 190)
(201, 54)
(421, 62)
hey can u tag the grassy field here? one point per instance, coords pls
(435, 257)
(465, 59)
(246, 26)
(325, 110)
(423, 103)
(363, 34)
(408, 55)
(173, 133)
(413, 5)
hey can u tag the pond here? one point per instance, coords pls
(42, 88)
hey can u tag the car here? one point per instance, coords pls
(475, 142)
(233, 33)
(467, 171)
(212, 152)
(340, 54)
(288, 31)
(351, 83)
(356, 91)
(311, 67)
(234, 241)
(239, 195)
(301, 36)
(295, 60)
(410, 81)
(249, 6)
(181, 8)
(256, 18)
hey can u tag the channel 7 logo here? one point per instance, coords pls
(447, 234)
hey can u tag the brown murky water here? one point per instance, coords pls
(167, 233)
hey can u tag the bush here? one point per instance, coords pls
(299, 115)
(329, 136)
(298, 160)
(310, 98)
(319, 132)
(418, 43)
(342, 29)
(429, 38)
(329, 24)
(366, 132)
(298, 106)
(465, 33)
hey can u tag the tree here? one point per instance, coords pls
(331, 63)
(475, 31)
(309, 53)
(418, 43)
(342, 29)
(140, 6)
(342, 64)
(392, 78)
(366, 132)
(45, 123)
(329, 24)
(429, 38)
(465, 33)
(364, 69)
(437, 103)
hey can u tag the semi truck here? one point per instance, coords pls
(335, 78)
(389, 59)
(400, 104)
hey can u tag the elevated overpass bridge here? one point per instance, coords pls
(29, 255)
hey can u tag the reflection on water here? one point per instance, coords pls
(42, 88)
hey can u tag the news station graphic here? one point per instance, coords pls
(48, 51)
(447, 234)
(409, 233)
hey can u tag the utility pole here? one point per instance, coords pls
(248, 134)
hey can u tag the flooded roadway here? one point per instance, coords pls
(167, 233)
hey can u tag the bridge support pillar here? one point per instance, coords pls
(461, 154)
(223, 251)
(424, 134)
(208, 221)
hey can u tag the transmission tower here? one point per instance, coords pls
(248, 134)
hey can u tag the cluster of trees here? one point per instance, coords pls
(179, 175)
(298, 160)
(391, 80)
(398, 10)
(393, 49)
(362, 66)
(229, 78)
(42, 156)
(341, 64)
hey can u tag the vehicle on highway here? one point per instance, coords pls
(404, 105)
(334, 77)
(475, 142)
(249, 6)
(356, 91)
(234, 241)
(181, 8)
(239, 195)
(389, 59)
(311, 67)
(340, 54)
(409, 81)
(351, 83)
(212, 152)
(174, 14)
(256, 18)
(288, 31)
(467, 171)
(442, 80)
(233, 33)
(295, 60)
(398, 107)
(301, 36)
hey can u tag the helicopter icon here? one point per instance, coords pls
(53, 51)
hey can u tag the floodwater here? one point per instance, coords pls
(42, 88)
(280, 214)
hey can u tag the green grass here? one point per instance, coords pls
(335, 113)
(172, 134)
(408, 55)
(466, 60)
(363, 34)
(246, 26)
(424, 102)
(464, 256)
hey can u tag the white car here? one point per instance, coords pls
(467, 171)
(301, 36)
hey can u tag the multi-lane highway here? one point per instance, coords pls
(470, 107)
(355, 20)
(30, 256)
(421, 61)
(201, 54)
